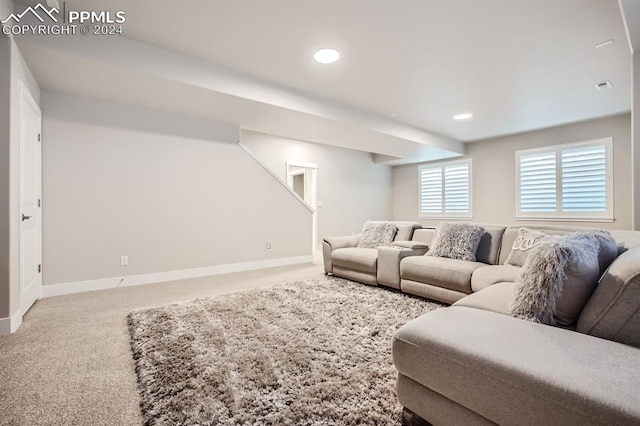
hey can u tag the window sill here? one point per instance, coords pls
(446, 217)
(564, 219)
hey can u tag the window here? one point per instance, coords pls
(445, 189)
(571, 182)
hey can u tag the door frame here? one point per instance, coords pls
(310, 192)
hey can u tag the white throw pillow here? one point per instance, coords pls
(526, 241)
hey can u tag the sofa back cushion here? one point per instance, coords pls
(489, 247)
(405, 230)
(626, 239)
(424, 235)
(613, 311)
(607, 247)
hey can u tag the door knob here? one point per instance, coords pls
(25, 217)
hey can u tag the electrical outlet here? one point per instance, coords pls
(269, 246)
(124, 260)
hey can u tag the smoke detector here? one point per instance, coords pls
(603, 85)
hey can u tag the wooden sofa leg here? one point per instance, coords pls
(409, 418)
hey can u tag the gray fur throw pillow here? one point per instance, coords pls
(456, 241)
(557, 280)
(377, 233)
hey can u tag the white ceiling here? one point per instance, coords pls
(518, 65)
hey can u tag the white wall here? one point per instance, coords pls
(170, 192)
(351, 187)
(494, 185)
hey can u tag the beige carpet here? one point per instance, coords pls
(312, 352)
(70, 362)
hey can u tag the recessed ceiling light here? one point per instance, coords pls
(463, 116)
(326, 56)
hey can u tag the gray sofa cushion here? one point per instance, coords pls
(489, 246)
(495, 298)
(456, 241)
(519, 372)
(359, 259)
(487, 275)
(613, 311)
(452, 274)
(607, 247)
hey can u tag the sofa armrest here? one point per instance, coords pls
(413, 245)
(330, 244)
(342, 242)
(552, 375)
(389, 258)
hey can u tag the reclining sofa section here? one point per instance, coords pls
(343, 258)
(443, 279)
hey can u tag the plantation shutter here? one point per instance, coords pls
(538, 182)
(445, 189)
(570, 181)
(584, 179)
(456, 189)
(431, 190)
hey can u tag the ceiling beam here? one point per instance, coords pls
(630, 10)
(144, 59)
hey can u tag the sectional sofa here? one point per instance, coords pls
(473, 363)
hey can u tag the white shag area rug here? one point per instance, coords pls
(314, 352)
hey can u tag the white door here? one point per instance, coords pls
(30, 201)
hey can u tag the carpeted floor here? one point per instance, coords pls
(70, 362)
(309, 352)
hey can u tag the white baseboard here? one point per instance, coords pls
(158, 277)
(10, 325)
